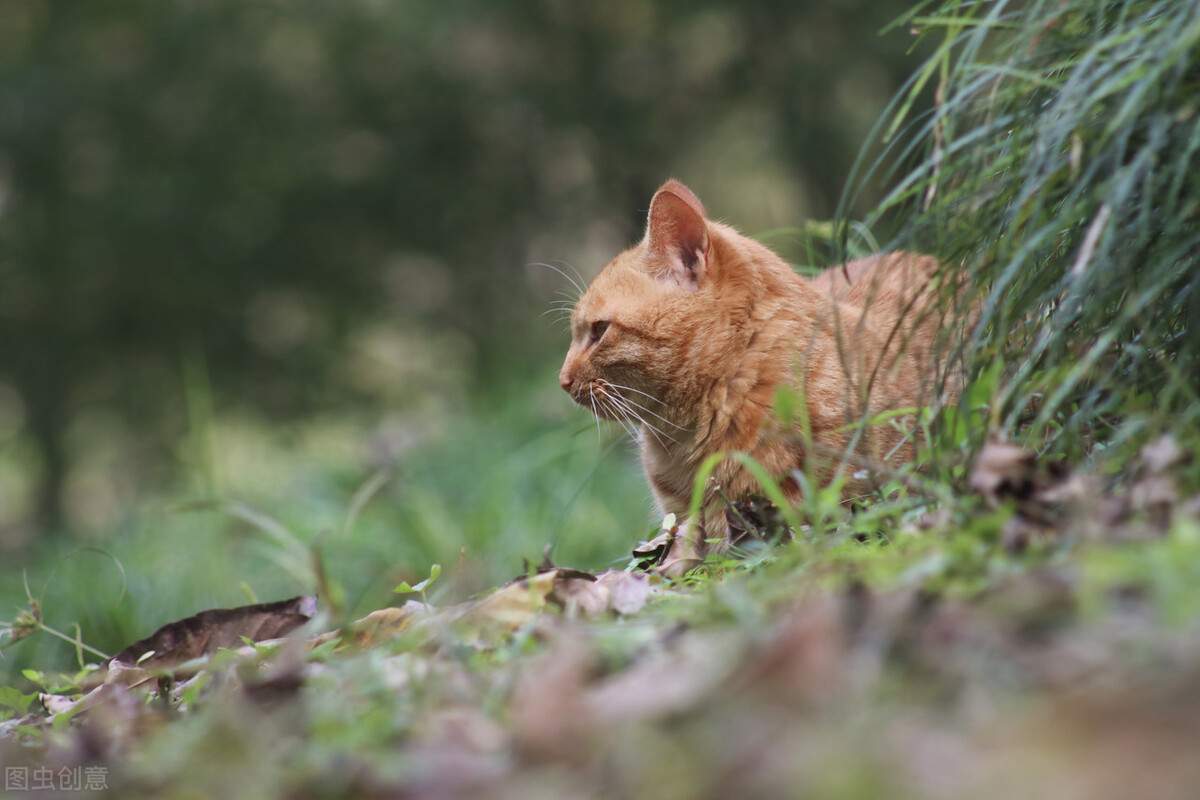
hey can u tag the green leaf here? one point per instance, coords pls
(11, 698)
(785, 405)
(434, 572)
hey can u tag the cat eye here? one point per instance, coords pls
(598, 328)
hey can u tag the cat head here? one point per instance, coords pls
(645, 329)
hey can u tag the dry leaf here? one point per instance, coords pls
(206, 632)
(1004, 471)
(385, 623)
(57, 703)
(124, 674)
(756, 519)
(522, 599)
(627, 591)
(1161, 454)
(514, 604)
(652, 551)
(577, 593)
(1045, 496)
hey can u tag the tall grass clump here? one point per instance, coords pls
(1060, 165)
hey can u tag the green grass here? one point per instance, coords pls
(1058, 168)
(839, 662)
(481, 497)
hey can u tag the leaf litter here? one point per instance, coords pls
(817, 671)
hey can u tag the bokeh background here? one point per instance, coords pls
(274, 275)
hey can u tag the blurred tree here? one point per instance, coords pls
(245, 186)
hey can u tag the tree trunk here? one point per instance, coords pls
(46, 422)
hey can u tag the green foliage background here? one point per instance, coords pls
(260, 252)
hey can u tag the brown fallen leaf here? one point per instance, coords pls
(627, 591)
(385, 623)
(1004, 471)
(206, 632)
(575, 592)
(522, 599)
(1162, 454)
(112, 700)
(756, 519)
(1045, 496)
(512, 605)
(124, 674)
(653, 552)
(57, 703)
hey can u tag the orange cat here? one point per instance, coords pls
(686, 338)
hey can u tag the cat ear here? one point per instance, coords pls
(677, 235)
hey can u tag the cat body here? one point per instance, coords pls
(688, 336)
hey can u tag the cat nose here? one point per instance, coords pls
(564, 379)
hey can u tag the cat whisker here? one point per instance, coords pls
(630, 409)
(629, 429)
(656, 431)
(574, 282)
(595, 416)
(631, 389)
(562, 309)
(559, 321)
(567, 299)
(618, 413)
(619, 417)
(618, 389)
(622, 405)
(563, 313)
